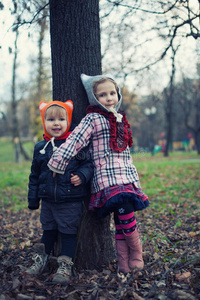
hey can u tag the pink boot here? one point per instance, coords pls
(123, 256)
(135, 247)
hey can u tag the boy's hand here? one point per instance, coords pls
(75, 180)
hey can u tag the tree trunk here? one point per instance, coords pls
(169, 126)
(18, 146)
(197, 140)
(15, 125)
(75, 49)
(39, 95)
(169, 104)
(95, 247)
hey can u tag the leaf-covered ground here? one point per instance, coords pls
(169, 228)
(171, 245)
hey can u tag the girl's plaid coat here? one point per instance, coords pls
(110, 168)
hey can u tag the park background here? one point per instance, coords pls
(152, 48)
(153, 51)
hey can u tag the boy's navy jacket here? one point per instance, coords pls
(42, 185)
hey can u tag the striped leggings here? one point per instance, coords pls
(125, 221)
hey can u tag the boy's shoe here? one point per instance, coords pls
(40, 260)
(64, 270)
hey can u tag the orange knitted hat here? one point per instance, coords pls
(68, 106)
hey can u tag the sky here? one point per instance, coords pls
(27, 48)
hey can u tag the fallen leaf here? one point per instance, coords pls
(192, 234)
(183, 277)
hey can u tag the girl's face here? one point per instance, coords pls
(106, 94)
(56, 121)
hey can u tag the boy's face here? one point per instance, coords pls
(106, 94)
(56, 122)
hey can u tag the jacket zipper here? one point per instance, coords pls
(55, 189)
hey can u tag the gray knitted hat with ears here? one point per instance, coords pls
(88, 84)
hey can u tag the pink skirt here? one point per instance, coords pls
(99, 199)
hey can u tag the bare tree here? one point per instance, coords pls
(42, 24)
(172, 21)
(169, 100)
(15, 126)
(154, 30)
(188, 95)
(30, 16)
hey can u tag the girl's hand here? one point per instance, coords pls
(75, 180)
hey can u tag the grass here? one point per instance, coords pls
(7, 150)
(14, 185)
(171, 181)
(167, 181)
(13, 177)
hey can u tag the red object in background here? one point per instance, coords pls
(162, 135)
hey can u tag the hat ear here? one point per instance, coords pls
(69, 103)
(42, 105)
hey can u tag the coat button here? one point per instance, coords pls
(68, 190)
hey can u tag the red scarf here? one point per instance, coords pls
(58, 138)
(120, 132)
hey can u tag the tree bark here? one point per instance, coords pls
(17, 143)
(75, 49)
(169, 105)
(197, 140)
(95, 247)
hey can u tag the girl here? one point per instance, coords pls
(115, 186)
